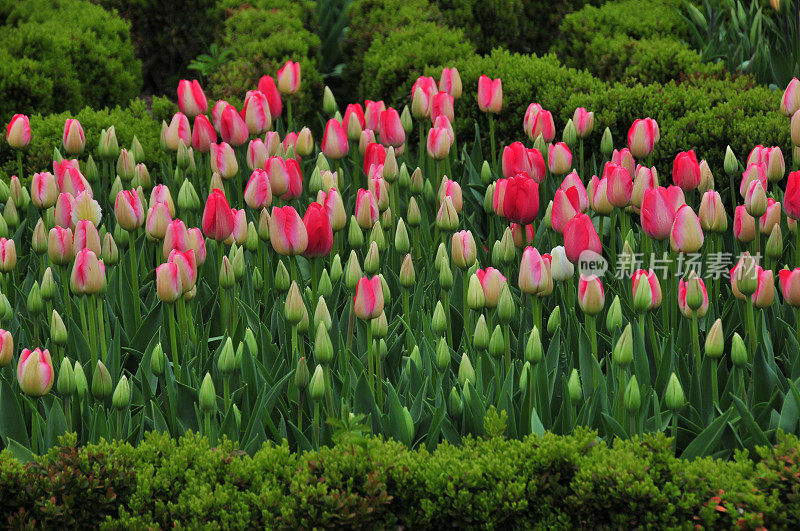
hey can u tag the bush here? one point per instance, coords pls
(263, 36)
(559, 481)
(63, 55)
(395, 61)
(370, 19)
(47, 130)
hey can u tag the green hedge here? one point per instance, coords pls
(47, 130)
(395, 61)
(561, 481)
(263, 35)
(58, 55)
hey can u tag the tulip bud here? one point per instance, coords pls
(445, 276)
(226, 363)
(607, 143)
(282, 279)
(442, 355)
(614, 316)
(48, 287)
(439, 321)
(774, 249)
(746, 277)
(34, 302)
(731, 165)
(317, 386)
(413, 214)
(227, 277)
(465, 371)
(674, 399)
(574, 385)
(447, 217)
(207, 397)
(328, 101)
(323, 347)
(372, 260)
(379, 326)
(66, 379)
(475, 296)
(454, 404)
(755, 200)
(354, 235)
(496, 343)
(58, 331)
(480, 337)
(353, 271)
(622, 355)
(158, 361)
(407, 273)
(739, 354)
(505, 305)
(633, 397)
(570, 135)
(122, 394)
(101, 382)
(554, 321)
(405, 120)
(301, 375)
(715, 340)
(39, 239)
(533, 347)
(293, 307)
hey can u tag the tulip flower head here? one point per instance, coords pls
(88, 273)
(492, 282)
(35, 372)
(191, 98)
(392, 132)
(289, 78)
(255, 112)
(584, 122)
(168, 282)
(642, 137)
(686, 235)
(318, 228)
(18, 131)
(580, 236)
(789, 281)
(520, 199)
(287, 233)
(232, 128)
(73, 140)
(790, 102)
(128, 210)
(217, 216)
(534, 272)
(334, 141)
(591, 295)
(368, 300)
(267, 86)
(490, 94)
(654, 299)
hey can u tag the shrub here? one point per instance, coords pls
(63, 55)
(396, 60)
(263, 36)
(559, 481)
(46, 132)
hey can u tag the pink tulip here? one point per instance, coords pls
(86, 237)
(8, 255)
(712, 212)
(158, 218)
(18, 131)
(517, 158)
(372, 114)
(88, 273)
(203, 134)
(267, 86)
(74, 140)
(438, 143)
(239, 232)
(790, 102)
(176, 238)
(191, 99)
(538, 121)
(744, 225)
(657, 213)
(442, 105)
(591, 295)
(320, 233)
(765, 290)
(44, 190)
(684, 308)
(566, 205)
(168, 282)
(334, 141)
(223, 160)
(490, 94)
(290, 140)
(642, 137)
(559, 158)
(334, 207)
(161, 194)
(392, 132)
(523, 235)
(450, 82)
(287, 233)
(63, 211)
(368, 300)
(216, 114)
(644, 179)
(534, 275)
(379, 189)
(289, 78)
(686, 171)
(572, 180)
(129, 210)
(521, 199)
(295, 180)
(60, 250)
(257, 193)
(69, 178)
(789, 282)
(196, 242)
(686, 235)
(655, 286)
(580, 236)
(753, 172)
(255, 112)
(499, 196)
(187, 268)
(278, 175)
(771, 217)
(217, 216)
(598, 196)
(257, 154)
(353, 121)
(583, 121)
(450, 188)
(35, 372)
(774, 163)
(375, 154)
(6, 347)
(232, 127)
(492, 282)
(463, 247)
(620, 185)
(178, 130)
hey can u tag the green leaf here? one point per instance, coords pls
(708, 439)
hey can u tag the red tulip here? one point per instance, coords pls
(374, 154)
(579, 236)
(334, 207)
(644, 179)
(392, 132)
(216, 113)
(257, 154)
(744, 225)
(598, 196)
(203, 134)
(368, 300)
(450, 188)
(353, 121)
(239, 232)
(69, 178)
(178, 130)
(686, 171)
(539, 121)
(287, 233)
(187, 267)
(620, 185)
(790, 102)
(295, 180)
(191, 99)
(289, 78)
(18, 131)
(521, 199)
(791, 199)
(334, 142)
(422, 92)
(366, 211)
(789, 282)
(771, 217)
(161, 194)
(523, 235)
(519, 159)
(318, 228)
(266, 86)
(255, 112)
(217, 216)
(63, 211)
(572, 180)
(642, 137)
(765, 290)
(232, 128)
(623, 157)
(490, 94)
(372, 114)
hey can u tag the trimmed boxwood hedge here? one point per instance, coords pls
(58, 55)
(560, 481)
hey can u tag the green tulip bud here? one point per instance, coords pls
(116, 187)
(445, 275)
(81, 386)
(439, 321)
(226, 362)
(633, 396)
(66, 379)
(614, 316)
(323, 346)
(408, 275)
(48, 287)
(10, 215)
(263, 225)
(238, 264)
(336, 268)
(390, 168)
(548, 216)
(739, 354)
(505, 305)
(353, 272)
(454, 405)
(317, 385)
(258, 280)
(35, 304)
(405, 120)
(533, 348)
(417, 182)
(207, 395)
(372, 261)
(39, 239)
(251, 243)
(674, 399)
(282, 279)
(101, 381)
(121, 236)
(325, 288)
(293, 308)
(354, 235)
(730, 164)
(301, 375)
(403, 177)
(109, 253)
(541, 145)
(715, 340)
(480, 338)
(58, 332)
(226, 275)
(554, 321)
(775, 243)
(322, 315)
(90, 170)
(622, 355)
(141, 177)
(122, 394)
(497, 343)
(376, 236)
(126, 164)
(442, 355)
(509, 251)
(570, 135)
(401, 241)
(328, 101)
(475, 296)
(465, 371)
(136, 149)
(441, 256)
(158, 360)
(607, 143)
(486, 173)
(643, 298)
(315, 183)
(322, 162)
(5, 308)
(574, 386)
(250, 341)
(413, 214)
(694, 293)
(379, 326)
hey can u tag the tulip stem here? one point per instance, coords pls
(695, 342)
(84, 325)
(68, 412)
(19, 164)
(134, 278)
(465, 315)
(492, 142)
(370, 364)
(751, 330)
(65, 288)
(581, 155)
(407, 317)
(653, 342)
(507, 340)
(300, 412)
(102, 328)
(590, 330)
(288, 114)
(294, 355)
(316, 424)
(714, 383)
(421, 142)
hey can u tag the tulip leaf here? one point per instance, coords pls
(614, 427)
(436, 426)
(20, 451)
(537, 427)
(12, 423)
(707, 440)
(756, 433)
(56, 424)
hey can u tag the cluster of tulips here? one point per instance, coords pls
(415, 291)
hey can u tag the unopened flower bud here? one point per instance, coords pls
(207, 397)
